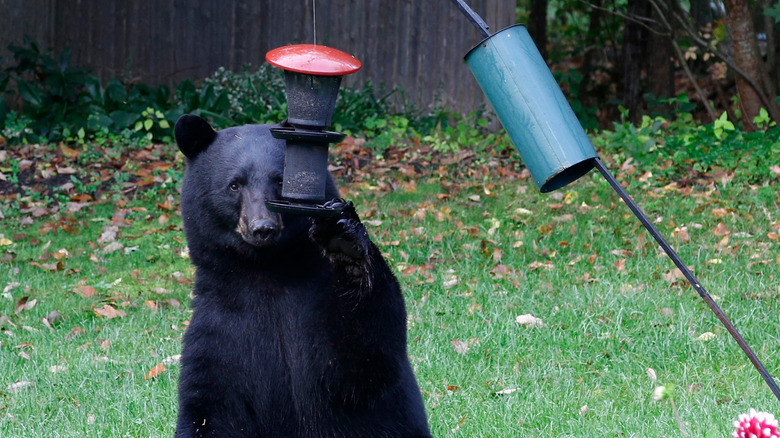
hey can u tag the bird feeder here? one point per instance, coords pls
(312, 79)
(535, 113)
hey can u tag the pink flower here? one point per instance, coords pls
(756, 425)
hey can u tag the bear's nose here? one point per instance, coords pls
(263, 229)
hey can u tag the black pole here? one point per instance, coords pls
(473, 17)
(689, 276)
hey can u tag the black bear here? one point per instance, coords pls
(299, 325)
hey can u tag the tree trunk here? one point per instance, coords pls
(632, 60)
(771, 50)
(537, 25)
(660, 65)
(588, 60)
(746, 57)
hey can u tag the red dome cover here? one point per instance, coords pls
(313, 59)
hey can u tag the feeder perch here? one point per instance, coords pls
(312, 79)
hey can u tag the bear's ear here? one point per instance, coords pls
(193, 135)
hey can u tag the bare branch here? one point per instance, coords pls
(645, 22)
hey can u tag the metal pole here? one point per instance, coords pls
(689, 276)
(473, 17)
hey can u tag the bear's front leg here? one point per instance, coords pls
(345, 242)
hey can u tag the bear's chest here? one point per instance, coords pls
(279, 326)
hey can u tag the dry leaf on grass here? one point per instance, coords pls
(19, 386)
(109, 312)
(154, 372)
(529, 321)
(506, 391)
(461, 347)
(85, 291)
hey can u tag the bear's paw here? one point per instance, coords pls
(343, 238)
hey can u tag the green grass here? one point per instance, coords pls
(471, 257)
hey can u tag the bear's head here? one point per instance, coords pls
(230, 174)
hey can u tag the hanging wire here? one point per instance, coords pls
(314, 19)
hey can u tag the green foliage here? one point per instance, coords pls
(355, 107)
(228, 98)
(153, 121)
(62, 102)
(722, 125)
(383, 132)
(469, 132)
(773, 12)
(682, 149)
(53, 92)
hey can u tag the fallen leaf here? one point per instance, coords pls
(73, 333)
(171, 303)
(66, 170)
(537, 265)
(154, 372)
(109, 312)
(506, 391)
(85, 291)
(461, 347)
(172, 360)
(109, 234)
(681, 234)
(651, 374)
(720, 212)
(673, 275)
(721, 230)
(706, 336)
(529, 321)
(500, 271)
(451, 281)
(113, 247)
(24, 303)
(19, 386)
(11, 286)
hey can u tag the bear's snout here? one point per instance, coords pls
(258, 226)
(264, 230)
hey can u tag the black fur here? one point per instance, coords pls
(299, 328)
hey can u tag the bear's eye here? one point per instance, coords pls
(234, 187)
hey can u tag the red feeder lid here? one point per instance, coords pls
(313, 60)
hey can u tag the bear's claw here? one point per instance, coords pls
(343, 238)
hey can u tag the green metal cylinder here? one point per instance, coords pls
(529, 103)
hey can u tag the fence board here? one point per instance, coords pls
(415, 45)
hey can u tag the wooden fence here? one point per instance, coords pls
(416, 45)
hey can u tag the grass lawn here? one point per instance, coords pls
(93, 299)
